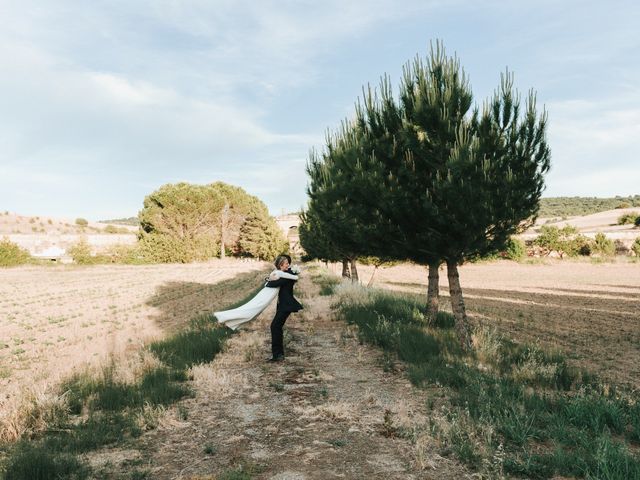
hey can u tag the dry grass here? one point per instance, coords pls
(35, 411)
(60, 320)
(217, 381)
(587, 311)
(329, 411)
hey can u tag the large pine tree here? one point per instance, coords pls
(426, 179)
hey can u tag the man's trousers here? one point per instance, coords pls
(277, 342)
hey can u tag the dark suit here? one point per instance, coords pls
(286, 304)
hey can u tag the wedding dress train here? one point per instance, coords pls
(249, 311)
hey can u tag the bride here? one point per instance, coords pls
(245, 313)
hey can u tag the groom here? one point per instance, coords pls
(286, 305)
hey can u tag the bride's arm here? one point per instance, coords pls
(281, 274)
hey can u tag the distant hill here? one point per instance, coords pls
(14, 224)
(131, 221)
(578, 206)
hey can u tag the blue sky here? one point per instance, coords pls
(102, 102)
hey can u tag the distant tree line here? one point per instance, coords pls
(578, 206)
(130, 221)
(426, 177)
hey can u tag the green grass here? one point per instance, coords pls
(546, 417)
(159, 386)
(38, 463)
(326, 281)
(99, 429)
(196, 345)
(104, 411)
(234, 475)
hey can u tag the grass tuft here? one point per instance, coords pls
(326, 281)
(197, 345)
(112, 410)
(542, 416)
(31, 462)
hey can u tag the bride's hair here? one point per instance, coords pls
(280, 260)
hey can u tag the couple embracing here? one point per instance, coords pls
(279, 283)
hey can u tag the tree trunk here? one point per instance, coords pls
(354, 272)
(375, 269)
(457, 305)
(345, 269)
(224, 221)
(433, 292)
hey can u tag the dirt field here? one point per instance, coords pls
(53, 319)
(589, 311)
(329, 410)
(321, 414)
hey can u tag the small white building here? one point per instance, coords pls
(51, 253)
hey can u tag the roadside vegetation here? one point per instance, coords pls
(503, 408)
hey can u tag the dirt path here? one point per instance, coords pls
(328, 411)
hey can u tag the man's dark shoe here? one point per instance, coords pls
(277, 358)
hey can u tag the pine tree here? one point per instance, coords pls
(426, 178)
(178, 223)
(184, 222)
(261, 237)
(315, 241)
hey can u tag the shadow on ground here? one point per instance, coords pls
(180, 302)
(598, 329)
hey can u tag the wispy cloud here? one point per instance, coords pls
(101, 102)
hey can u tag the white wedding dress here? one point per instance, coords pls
(254, 307)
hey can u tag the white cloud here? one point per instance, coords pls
(123, 91)
(595, 146)
(126, 96)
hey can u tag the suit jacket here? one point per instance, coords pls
(286, 302)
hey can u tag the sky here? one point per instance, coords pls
(103, 102)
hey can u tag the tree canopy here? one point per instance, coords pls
(184, 222)
(425, 177)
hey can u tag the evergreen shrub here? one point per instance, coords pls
(12, 254)
(516, 249)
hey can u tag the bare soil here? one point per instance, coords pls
(56, 319)
(330, 410)
(320, 414)
(590, 312)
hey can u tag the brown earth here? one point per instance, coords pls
(318, 415)
(54, 320)
(330, 410)
(591, 312)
